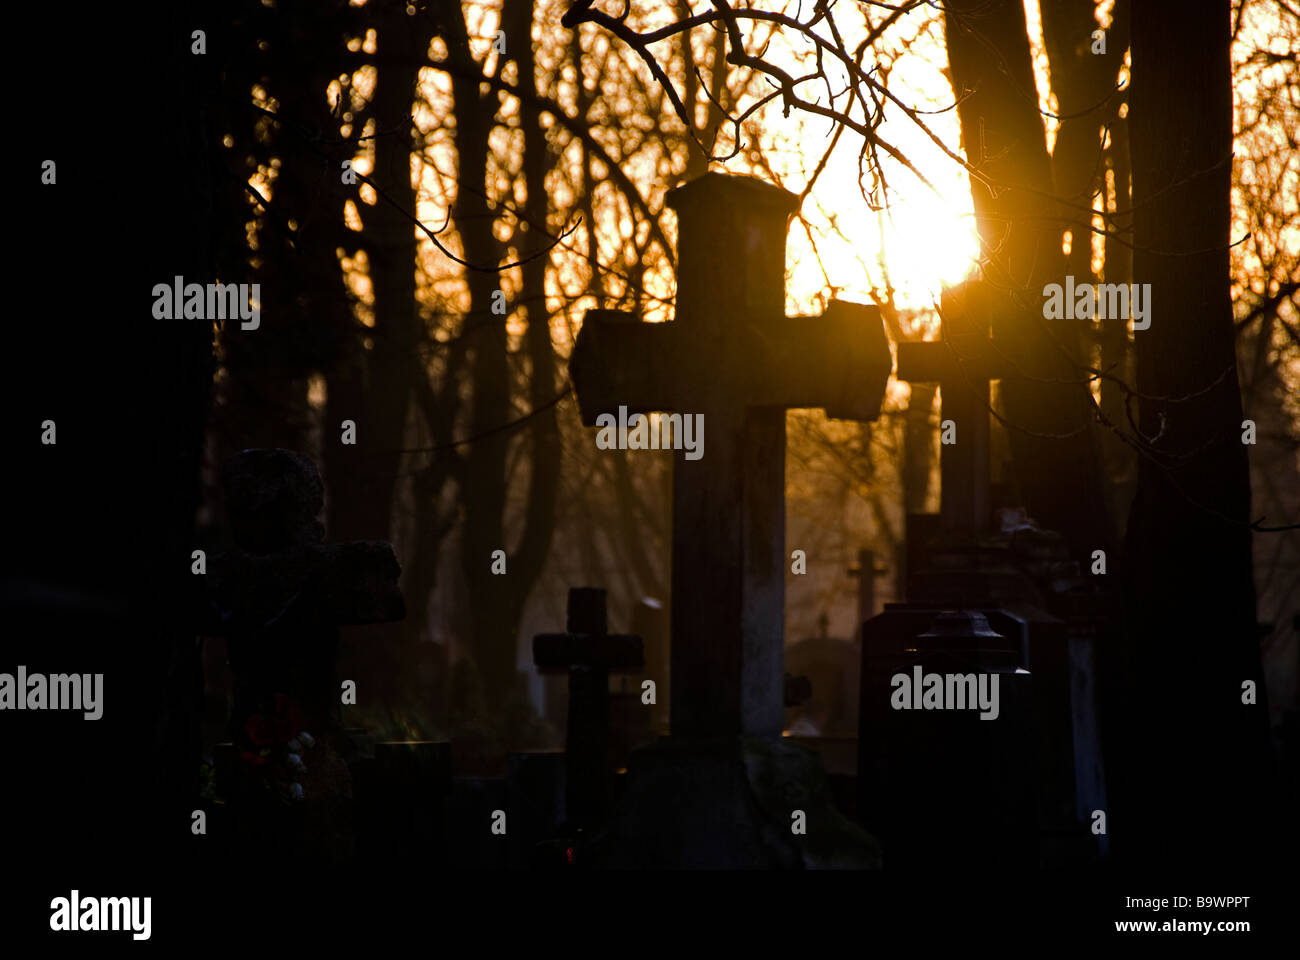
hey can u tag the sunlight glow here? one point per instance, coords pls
(921, 239)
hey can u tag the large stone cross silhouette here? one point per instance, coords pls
(733, 356)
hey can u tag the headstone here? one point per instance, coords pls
(1031, 588)
(1019, 576)
(944, 786)
(734, 358)
(1022, 579)
(399, 792)
(279, 599)
(588, 653)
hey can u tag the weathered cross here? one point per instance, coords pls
(963, 363)
(282, 595)
(588, 652)
(733, 356)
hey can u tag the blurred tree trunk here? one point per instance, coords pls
(292, 53)
(543, 428)
(1196, 778)
(1084, 83)
(373, 381)
(374, 386)
(497, 601)
(1058, 472)
(483, 495)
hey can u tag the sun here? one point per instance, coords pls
(922, 242)
(859, 235)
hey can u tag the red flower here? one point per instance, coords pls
(279, 727)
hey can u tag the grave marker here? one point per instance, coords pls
(588, 652)
(720, 790)
(732, 355)
(280, 598)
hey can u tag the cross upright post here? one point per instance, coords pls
(963, 363)
(865, 570)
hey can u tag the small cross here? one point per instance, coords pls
(588, 652)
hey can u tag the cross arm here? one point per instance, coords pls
(935, 361)
(620, 361)
(345, 584)
(361, 582)
(839, 361)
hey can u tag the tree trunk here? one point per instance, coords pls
(1057, 464)
(1194, 787)
(1084, 82)
(367, 472)
(497, 600)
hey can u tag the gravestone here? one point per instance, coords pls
(733, 357)
(280, 598)
(1019, 576)
(588, 653)
(1032, 594)
(399, 789)
(943, 787)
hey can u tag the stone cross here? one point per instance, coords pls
(963, 363)
(866, 570)
(282, 594)
(732, 356)
(588, 652)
